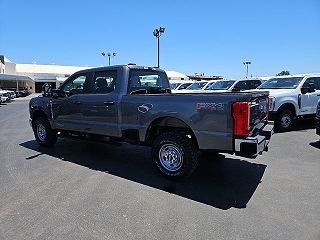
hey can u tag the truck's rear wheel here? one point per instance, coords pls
(285, 120)
(43, 133)
(175, 155)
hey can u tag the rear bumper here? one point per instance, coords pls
(317, 124)
(252, 146)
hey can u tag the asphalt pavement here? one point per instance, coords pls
(81, 190)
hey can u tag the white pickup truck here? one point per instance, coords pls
(292, 97)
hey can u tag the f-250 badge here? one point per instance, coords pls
(210, 106)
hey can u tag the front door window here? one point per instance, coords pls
(75, 85)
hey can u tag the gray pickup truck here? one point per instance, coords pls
(134, 104)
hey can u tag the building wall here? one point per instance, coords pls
(10, 68)
(2, 67)
(48, 69)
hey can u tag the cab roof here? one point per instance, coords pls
(130, 66)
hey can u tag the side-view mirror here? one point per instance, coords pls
(47, 90)
(304, 90)
(56, 93)
(312, 87)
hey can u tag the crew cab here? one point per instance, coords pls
(292, 97)
(135, 104)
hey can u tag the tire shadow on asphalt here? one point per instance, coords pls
(221, 182)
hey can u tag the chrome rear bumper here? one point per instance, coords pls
(252, 146)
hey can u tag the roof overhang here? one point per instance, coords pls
(8, 77)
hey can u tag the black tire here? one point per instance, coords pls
(181, 148)
(50, 136)
(285, 120)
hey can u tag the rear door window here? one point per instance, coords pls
(104, 82)
(148, 81)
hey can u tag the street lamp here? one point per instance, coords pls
(109, 55)
(247, 66)
(157, 33)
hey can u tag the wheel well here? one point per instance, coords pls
(287, 106)
(168, 124)
(36, 114)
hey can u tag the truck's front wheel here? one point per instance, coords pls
(175, 155)
(285, 120)
(43, 133)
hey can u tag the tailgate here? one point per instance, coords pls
(258, 110)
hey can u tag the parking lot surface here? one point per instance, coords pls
(81, 190)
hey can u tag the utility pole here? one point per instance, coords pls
(157, 33)
(109, 55)
(247, 66)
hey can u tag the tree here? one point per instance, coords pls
(283, 73)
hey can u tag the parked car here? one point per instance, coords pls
(196, 87)
(318, 119)
(11, 93)
(22, 92)
(4, 98)
(229, 86)
(177, 84)
(112, 102)
(183, 86)
(235, 85)
(209, 84)
(292, 97)
(6, 95)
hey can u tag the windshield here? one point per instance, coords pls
(196, 86)
(184, 86)
(281, 83)
(221, 85)
(147, 81)
(209, 85)
(174, 85)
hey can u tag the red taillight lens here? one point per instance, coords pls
(241, 117)
(268, 102)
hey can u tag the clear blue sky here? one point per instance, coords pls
(213, 37)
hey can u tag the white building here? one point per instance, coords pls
(34, 76)
(173, 75)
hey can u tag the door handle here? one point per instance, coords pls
(318, 95)
(108, 103)
(76, 102)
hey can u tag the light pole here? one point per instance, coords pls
(157, 33)
(109, 55)
(247, 65)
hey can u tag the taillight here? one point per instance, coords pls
(268, 103)
(241, 117)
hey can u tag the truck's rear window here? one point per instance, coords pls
(147, 81)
